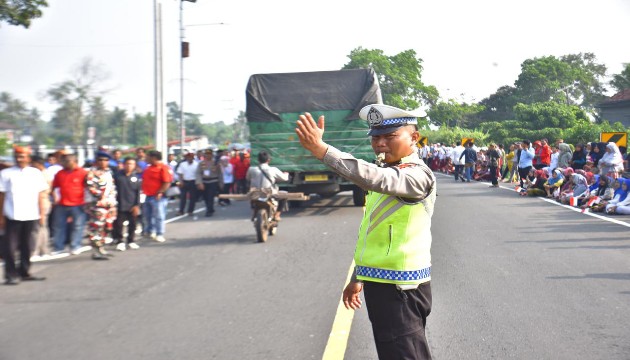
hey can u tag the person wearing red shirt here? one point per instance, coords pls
(69, 200)
(241, 165)
(156, 179)
(545, 153)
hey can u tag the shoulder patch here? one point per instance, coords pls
(406, 165)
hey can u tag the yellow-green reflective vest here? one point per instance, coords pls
(394, 242)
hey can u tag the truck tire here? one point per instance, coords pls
(358, 196)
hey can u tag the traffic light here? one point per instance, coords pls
(185, 49)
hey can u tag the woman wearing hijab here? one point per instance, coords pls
(579, 189)
(536, 185)
(620, 204)
(603, 191)
(611, 164)
(597, 151)
(554, 182)
(565, 155)
(579, 157)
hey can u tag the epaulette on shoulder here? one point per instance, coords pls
(407, 165)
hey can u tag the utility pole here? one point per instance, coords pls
(158, 106)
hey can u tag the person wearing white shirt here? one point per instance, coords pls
(228, 178)
(23, 191)
(187, 171)
(456, 154)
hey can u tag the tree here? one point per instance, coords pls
(400, 77)
(572, 79)
(452, 113)
(621, 81)
(499, 106)
(241, 129)
(548, 115)
(21, 12)
(191, 121)
(79, 98)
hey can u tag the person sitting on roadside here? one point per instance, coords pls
(579, 189)
(554, 183)
(600, 193)
(620, 204)
(536, 186)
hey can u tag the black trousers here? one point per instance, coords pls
(189, 188)
(398, 320)
(210, 191)
(458, 171)
(225, 190)
(118, 227)
(522, 174)
(18, 236)
(241, 186)
(493, 175)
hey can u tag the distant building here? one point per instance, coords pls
(616, 108)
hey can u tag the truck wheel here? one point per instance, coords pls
(261, 225)
(358, 196)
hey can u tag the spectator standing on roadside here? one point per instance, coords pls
(187, 173)
(228, 178)
(156, 179)
(241, 165)
(209, 180)
(102, 207)
(493, 161)
(564, 159)
(545, 153)
(456, 155)
(141, 160)
(128, 186)
(116, 162)
(41, 236)
(23, 190)
(470, 158)
(71, 183)
(525, 161)
(54, 167)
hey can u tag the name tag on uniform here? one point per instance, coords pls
(206, 173)
(134, 179)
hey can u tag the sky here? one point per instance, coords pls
(468, 48)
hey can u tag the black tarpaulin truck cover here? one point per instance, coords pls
(269, 95)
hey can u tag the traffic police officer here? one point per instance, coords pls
(392, 256)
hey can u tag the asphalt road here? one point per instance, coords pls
(513, 278)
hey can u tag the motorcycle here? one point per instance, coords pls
(263, 217)
(264, 206)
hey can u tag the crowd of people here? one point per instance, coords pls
(50, 206)
(589, 176)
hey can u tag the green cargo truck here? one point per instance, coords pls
(274, 102)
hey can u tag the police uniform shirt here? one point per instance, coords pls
(411, 182)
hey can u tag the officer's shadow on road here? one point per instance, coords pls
(211, 241)
(607, 276)
(604, 276)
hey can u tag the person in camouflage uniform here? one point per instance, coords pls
(102, 209)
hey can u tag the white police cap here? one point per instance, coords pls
(384, 119)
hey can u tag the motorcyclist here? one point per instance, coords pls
(264, 178)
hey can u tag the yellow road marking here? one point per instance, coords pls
(338, 339)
